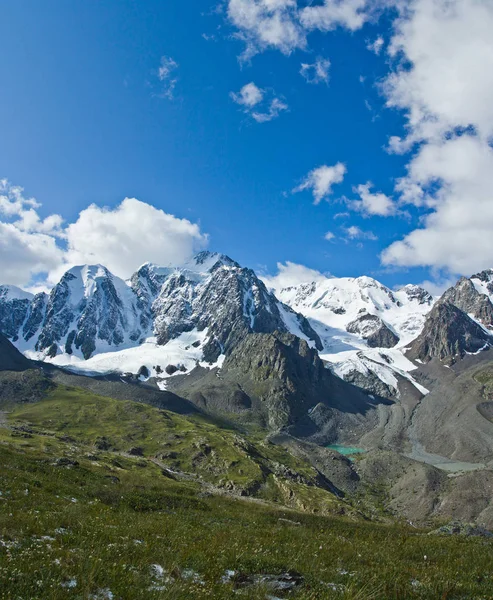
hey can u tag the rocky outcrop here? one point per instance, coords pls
(372, 329)
(486, 278)
(14, 308)
(370, 382)
(465, 296)
(417, 294)
(449, 333)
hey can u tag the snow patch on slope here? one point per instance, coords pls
(184, 351)
(12, 292)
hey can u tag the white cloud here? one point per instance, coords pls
(28, 244)
(329, 236)
(377, 45)
(283, 25)
(261, 105)
(13, 204)
(276, 107)
(263, 24)
(321, 180)
(291, 274)
(125, 237)
(450, 48)
(318, 72)
(24, 255)
(355, 233)
(166, 74)
(438, 286)
(335, 13)
(373, 204)
(121, 238)
(249, 95)
(458, 233)
(445, 86)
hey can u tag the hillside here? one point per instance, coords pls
(113, 496)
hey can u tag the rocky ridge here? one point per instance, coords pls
(91, 312)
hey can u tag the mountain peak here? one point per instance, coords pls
(208, 261)
(417, 293)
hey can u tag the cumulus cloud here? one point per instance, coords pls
(458, 233)
(24, 255)
(321, 180)
(263, 24)
(121, 238)
(283, 25)
(329, 236)
(444, 86)
(290, 274)
(125, 237)
(15, 206)
(28, 244)
(372, 204)
(350, 14)
(261, 105)
(355, 233)
(318, 72)
(167, 76)
(250, 95)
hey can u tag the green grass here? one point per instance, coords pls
(102, 524)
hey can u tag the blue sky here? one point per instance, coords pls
(85, 119)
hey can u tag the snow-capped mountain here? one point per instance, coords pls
(162, 319)
(364, 326)
(166, 320)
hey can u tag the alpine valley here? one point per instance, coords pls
(197, 390)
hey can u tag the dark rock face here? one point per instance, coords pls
(10, 358)
(371, 383)
(448, 334)
(376, 333)
(281, 373)
(35, 316)
(13, 313)
(465, 296)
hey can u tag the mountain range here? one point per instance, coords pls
(338, 362)
(167, 320)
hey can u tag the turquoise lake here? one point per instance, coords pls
(346, 450)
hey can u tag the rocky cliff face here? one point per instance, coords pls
(88, 308)
(372, 329)
(465, 296)
(448, 334)
(275, 380)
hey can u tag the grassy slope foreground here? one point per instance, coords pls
(108, 499)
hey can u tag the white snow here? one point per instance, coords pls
(177, 352)
(12, 292)
(292, 323)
